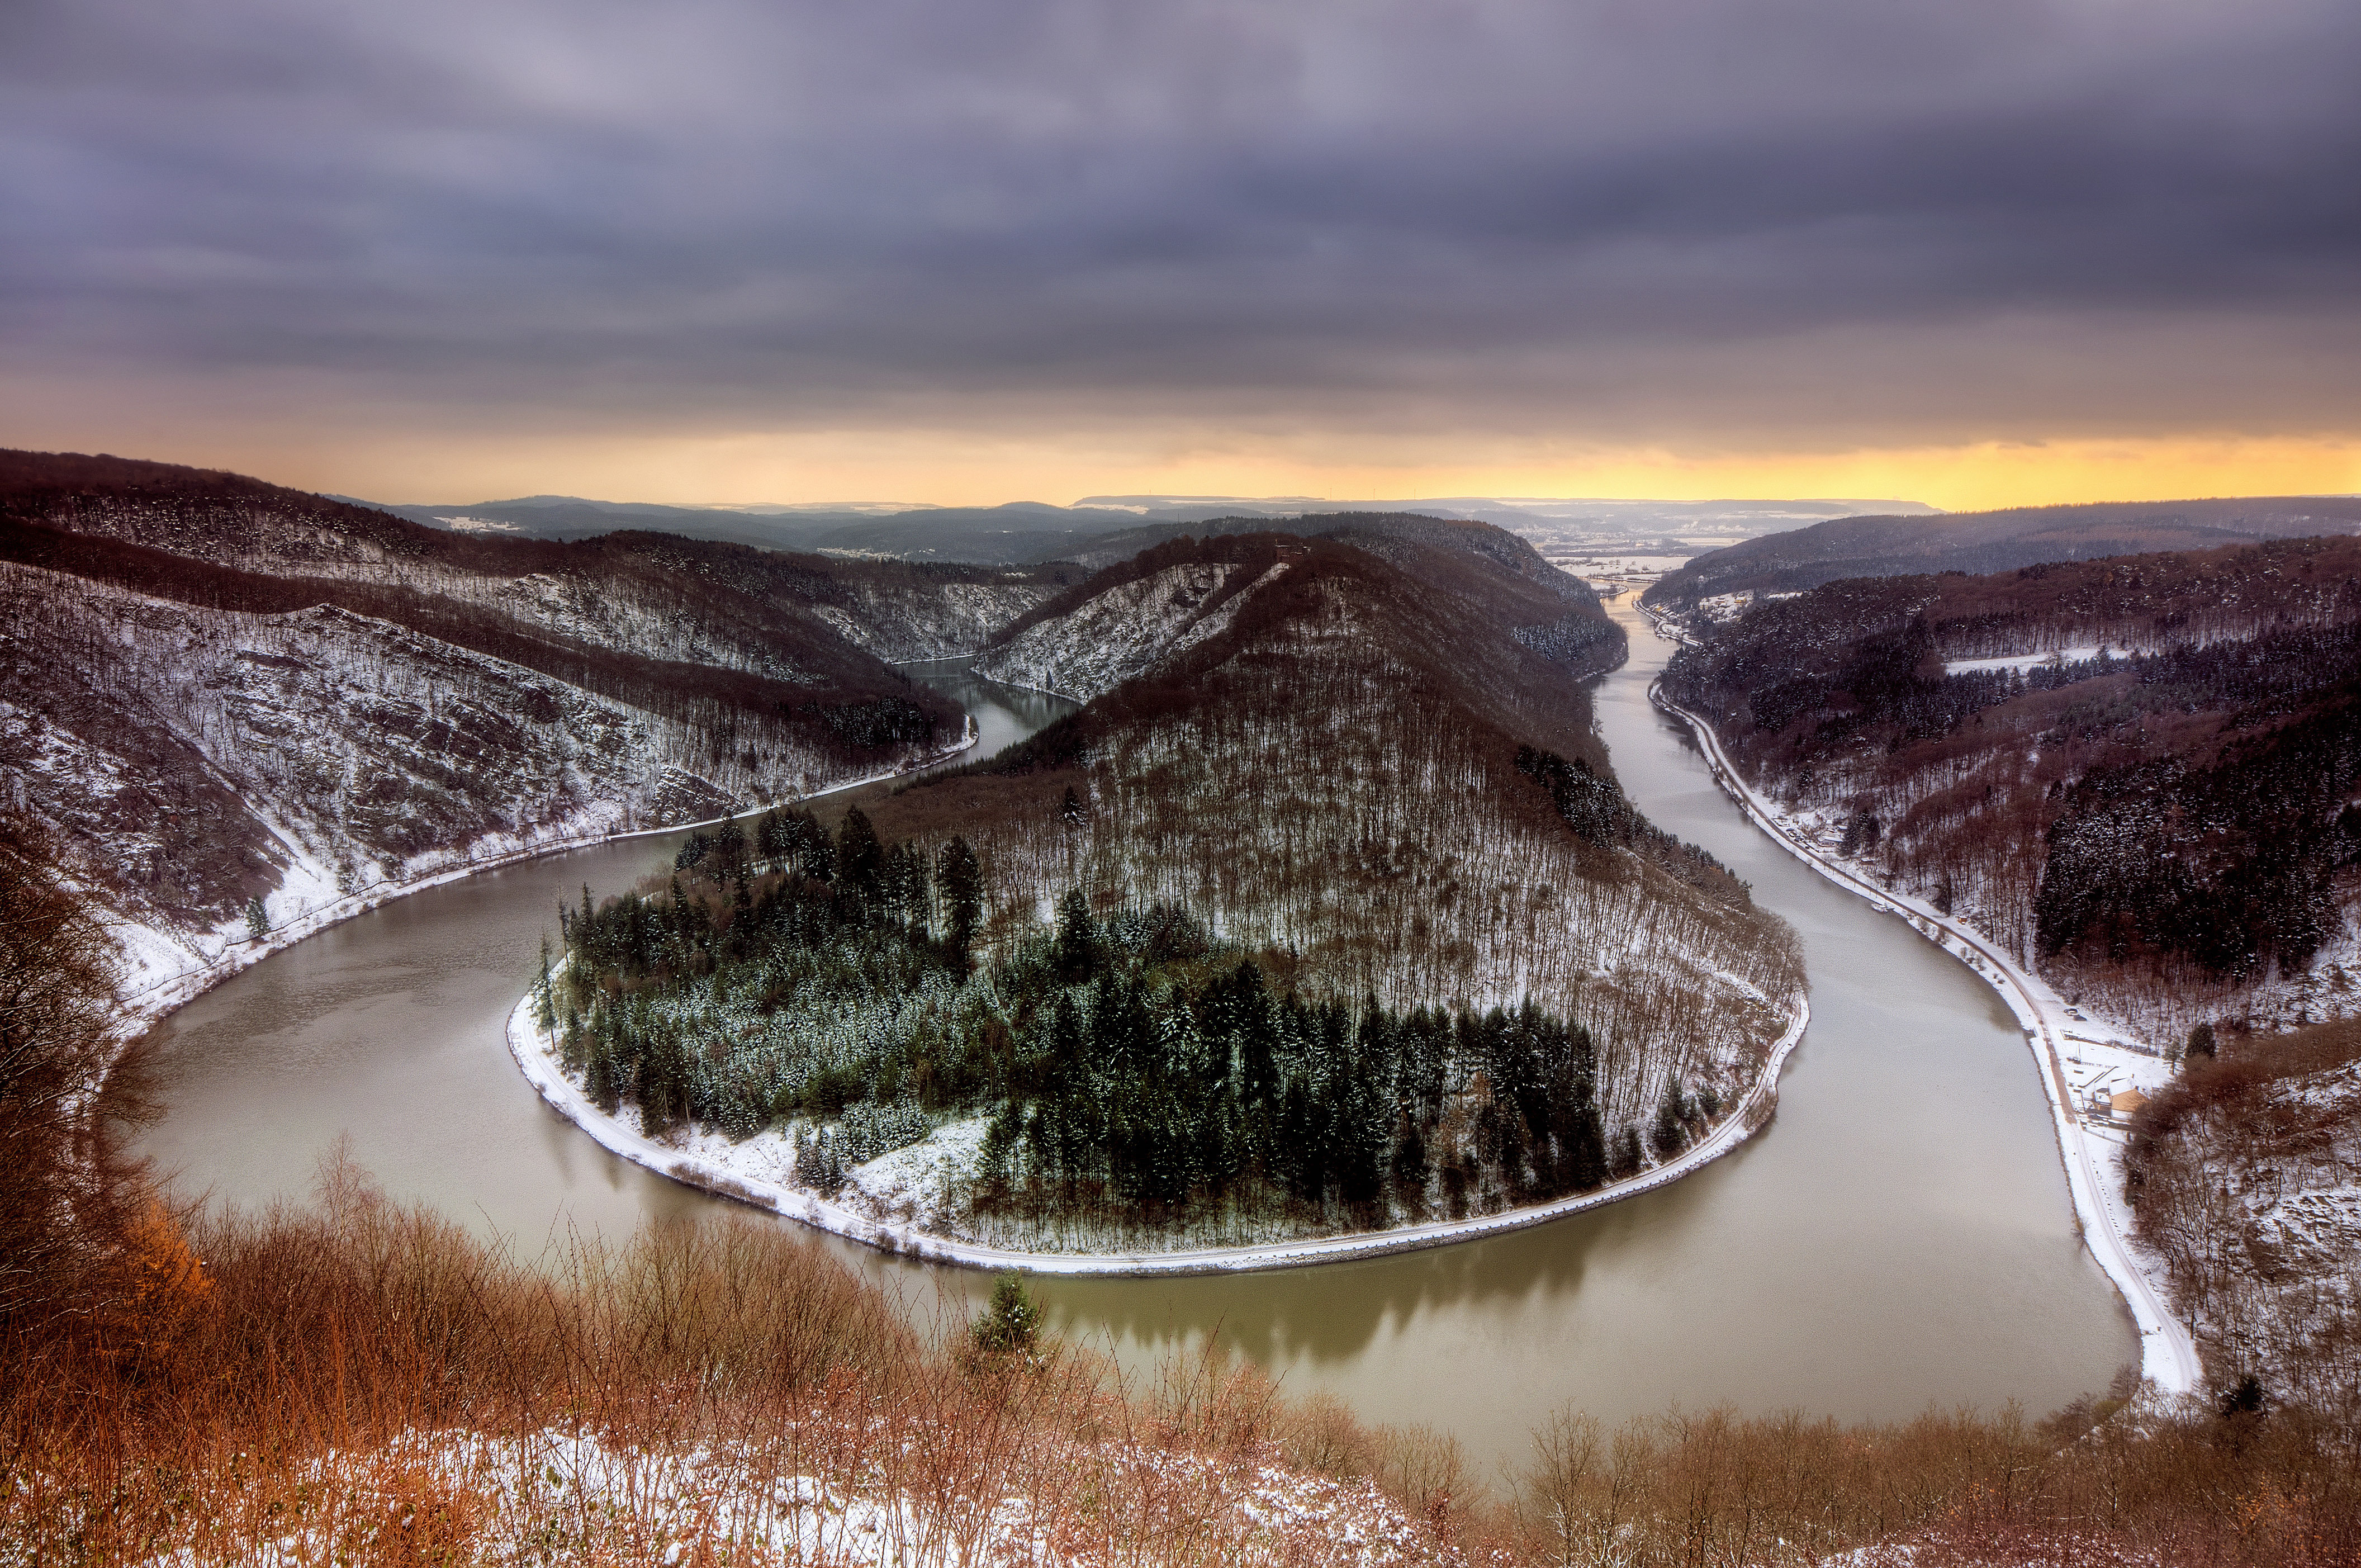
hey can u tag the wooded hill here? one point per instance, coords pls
(2243, 1179)
(2167, 827)
(221, 692)
(1329, 761)
(1356, 779)
(1993, 541)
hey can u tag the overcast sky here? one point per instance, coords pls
(775, 249)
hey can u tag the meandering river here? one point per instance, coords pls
(1900, 1237)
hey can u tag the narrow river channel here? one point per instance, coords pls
(1900, 1237)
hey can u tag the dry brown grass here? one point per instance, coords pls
(358, 1382)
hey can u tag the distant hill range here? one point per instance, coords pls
(1994, 541)
(229, 703)
(224, 703)
(1097, 530)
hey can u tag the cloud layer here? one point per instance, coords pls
(1847, 221)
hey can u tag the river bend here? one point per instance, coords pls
(1901, 1235)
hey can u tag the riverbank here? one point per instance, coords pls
(710, 1169)
(2092, 1163)
(147, 951)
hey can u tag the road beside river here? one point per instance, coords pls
(1900, 1235)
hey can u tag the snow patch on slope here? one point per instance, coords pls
(1122, 633)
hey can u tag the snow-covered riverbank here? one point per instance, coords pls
(752, 1171)
(163, 971)
(2076, 1060)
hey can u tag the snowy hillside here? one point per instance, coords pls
(1123, 632)
(1329, 765)
(2136, 775)
(900, 613)
(186, 763)
(221, 691)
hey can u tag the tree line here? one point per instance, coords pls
(829, 982)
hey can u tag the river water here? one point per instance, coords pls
(1899, 1236)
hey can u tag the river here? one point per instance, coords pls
(1900, 1235)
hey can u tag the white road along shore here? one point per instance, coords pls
(536, 1053)
(2168, 1355)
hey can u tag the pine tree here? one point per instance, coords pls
(906, 889)
(2201, 1042)
(1410, 1165)
(958, 879)
(1359, 1135)
(1585, 1152)
(860, 866)
(1012, 1323)
(1077, 955)
(544, 1007)
(1669, 1134)
(600, 1079)
(1000, 1140)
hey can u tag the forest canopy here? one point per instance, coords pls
(1126, 1065)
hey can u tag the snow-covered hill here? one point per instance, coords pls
(1319, 752)
(901, 613)
(182, 763)
(1119, 634)
(230, 706)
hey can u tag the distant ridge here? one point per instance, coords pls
(1996, 541)
(1024, 532)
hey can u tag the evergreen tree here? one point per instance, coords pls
(1000, 1140)
(1298, 1143)
(860, 866)
(1012, 1323)
(1670, 1134)
(1410, 1165)
(903, 889)
(1584, 1165)
(1069, 1045)
(958, 880)
(544, 1008)
(1077, 950)
(1359, 1134)
(600, 1077)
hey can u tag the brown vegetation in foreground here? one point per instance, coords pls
(355, 1382)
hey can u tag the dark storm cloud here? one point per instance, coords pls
(767, 210)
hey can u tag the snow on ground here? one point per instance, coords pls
(559, 1496)
(1109, 639)
(896, 1201)
(2090, 1145)
(1718, 607)
(2025, 660)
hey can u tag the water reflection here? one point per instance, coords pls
(1900, 1235)
(1003, 715)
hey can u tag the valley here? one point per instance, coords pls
(2124, 790)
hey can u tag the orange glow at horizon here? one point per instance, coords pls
(962, 468)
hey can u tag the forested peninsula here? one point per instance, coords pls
(1324, 916)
